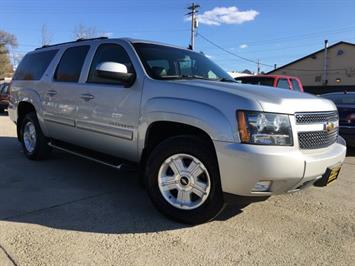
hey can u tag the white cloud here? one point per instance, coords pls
(226, 15)
(243, 46)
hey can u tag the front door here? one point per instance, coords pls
(108, 111)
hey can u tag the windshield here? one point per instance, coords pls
(164, 62)
(265, 81)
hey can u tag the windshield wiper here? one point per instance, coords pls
(226, 80)
(183, 77)
(195, 77)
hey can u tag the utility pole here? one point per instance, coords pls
(194, 25)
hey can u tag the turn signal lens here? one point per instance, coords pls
(243, 128)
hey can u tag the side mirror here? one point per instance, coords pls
(115, 71)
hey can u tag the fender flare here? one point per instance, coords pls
(189, 112)
(32, 97)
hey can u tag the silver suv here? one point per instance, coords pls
(194, 131)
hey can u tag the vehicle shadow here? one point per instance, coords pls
(4, 113)
(70, 193)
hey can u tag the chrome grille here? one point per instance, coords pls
(317, 139)
(320, 138)
(319, 117)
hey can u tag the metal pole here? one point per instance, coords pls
(193, 27)
(258, 71)
(193, 12)
(325, 63)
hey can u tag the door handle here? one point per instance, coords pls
(51, 93)
(87, 97)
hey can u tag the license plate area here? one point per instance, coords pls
(330, 175)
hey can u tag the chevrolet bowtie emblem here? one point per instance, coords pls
(329, 126)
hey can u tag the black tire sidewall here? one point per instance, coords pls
(197, 148)
(41, 148)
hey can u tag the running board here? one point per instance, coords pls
(88, 154)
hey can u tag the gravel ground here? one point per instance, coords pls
(69, 211)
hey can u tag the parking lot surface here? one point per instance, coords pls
(70, 211)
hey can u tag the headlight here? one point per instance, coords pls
(264, 128)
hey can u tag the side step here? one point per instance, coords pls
(89, 154)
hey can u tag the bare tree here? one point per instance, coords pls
(83, 32)
(7, 40)
(46, 35)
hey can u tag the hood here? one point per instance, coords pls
(269, 98)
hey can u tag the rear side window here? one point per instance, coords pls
(283, 83)
(71, 63)
(109, 52)
(33, 66)
(295, 85)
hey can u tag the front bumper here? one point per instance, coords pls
(288, 168)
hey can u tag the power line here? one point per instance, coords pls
(231, 53)
(310, 35)
(258, 62)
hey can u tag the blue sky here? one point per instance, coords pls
(274, 31)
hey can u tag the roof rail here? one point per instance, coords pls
(78, 40)
(88, 39)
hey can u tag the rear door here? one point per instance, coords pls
(108, 111)
(63, 94)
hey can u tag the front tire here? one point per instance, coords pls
(182, 179)
(34, 143)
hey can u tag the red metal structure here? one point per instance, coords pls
(277, 81)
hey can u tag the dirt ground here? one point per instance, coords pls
(69, 211)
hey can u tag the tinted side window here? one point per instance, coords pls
(109, 53)
(295, 85)
(266, 82)
(283, 83)
(33, 66)
(71, 63)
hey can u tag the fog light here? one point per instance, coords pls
(262, 186)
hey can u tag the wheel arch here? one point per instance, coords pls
(161, 130)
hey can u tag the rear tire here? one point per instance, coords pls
(34, 143)
(182, 179)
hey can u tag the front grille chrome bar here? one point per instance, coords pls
(316, 117)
